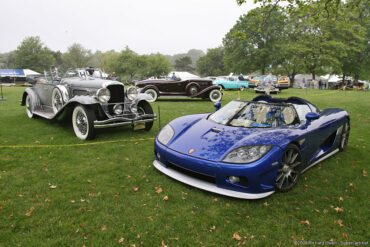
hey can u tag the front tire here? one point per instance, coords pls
(29, 106)
(145, 108)
(344, 136)
(83, 122)
(215, 95)
(152, 92)
(289, 169)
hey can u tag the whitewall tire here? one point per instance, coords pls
(152, 93)
(215, 95)
(29, 106)
(56, 100)
(83, 122)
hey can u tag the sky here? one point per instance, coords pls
(146, 26)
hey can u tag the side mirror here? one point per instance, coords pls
(312, 116)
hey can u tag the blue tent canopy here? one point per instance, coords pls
(11, 72)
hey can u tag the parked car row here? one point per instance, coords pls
(246, 149)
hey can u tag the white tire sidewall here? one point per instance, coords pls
(215, 100)
(29, 105)
(152, 91)
(77, 131)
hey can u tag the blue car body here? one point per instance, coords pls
(195, 154)
(231, 82)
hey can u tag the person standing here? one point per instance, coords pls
(267, 81)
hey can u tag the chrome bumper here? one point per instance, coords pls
(124, 121)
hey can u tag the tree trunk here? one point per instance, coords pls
(291, 79)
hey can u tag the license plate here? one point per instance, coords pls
(139, 126)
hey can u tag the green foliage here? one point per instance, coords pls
(184, 64)
(250, 45)
(109, 62)
(76, 56)
(212, 64)
(155, 65)
(7, 60)
(33, 54)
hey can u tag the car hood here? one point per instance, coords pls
(211, 141)
(89, 82)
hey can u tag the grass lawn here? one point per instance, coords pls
(56, 190)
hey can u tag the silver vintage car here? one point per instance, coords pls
(91, 102)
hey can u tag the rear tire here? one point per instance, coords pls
(145, 108)
(193, 90)
(152, 92)
(29, 106)
(289, 169)
(83, 122)
(344, 136)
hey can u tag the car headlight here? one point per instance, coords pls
(118, 109)
(132, 93)
(166, 134)
(103, 95)
(246, 154)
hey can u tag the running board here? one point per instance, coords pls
(321, 159)
(44, 114)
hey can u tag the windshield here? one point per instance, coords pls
(255, 115)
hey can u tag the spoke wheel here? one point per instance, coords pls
(56, 100)
(83, 122)
(289, 169)
(152, 93)
(29, 106)
(215, 95)
(145, 108)
(344, 137)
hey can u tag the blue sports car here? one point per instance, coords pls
(250, 149)
(231, 82)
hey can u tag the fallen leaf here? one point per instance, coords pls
(339, 222)
(345, 235)
(265, 204)
(121, 240)
(339, 210)
(30, 212)
(236, 236)
(304, 222)
(103, 228)
(350, 184)
(135, 188)
(72, 201)
(341, 199)
(158, 190)
(165, 198)
(163, 244)
(52, 186)
(212, 228)
(364, 173)
(82, 200)
(47, 200)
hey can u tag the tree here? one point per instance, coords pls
(109, 62)
(155, 65)
(7, 60)
(76, 57)
(184, 64)
(33, 54)
(212, 64)
(129, 64)
(251, 44)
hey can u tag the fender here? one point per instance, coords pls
(150, 87)
(35, 98)
(191, 84)
(64, 91)
(206, 90)
(81, 99)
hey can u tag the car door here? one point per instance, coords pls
(317, 132)
(44, 90)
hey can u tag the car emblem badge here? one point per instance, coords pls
(191, 150)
